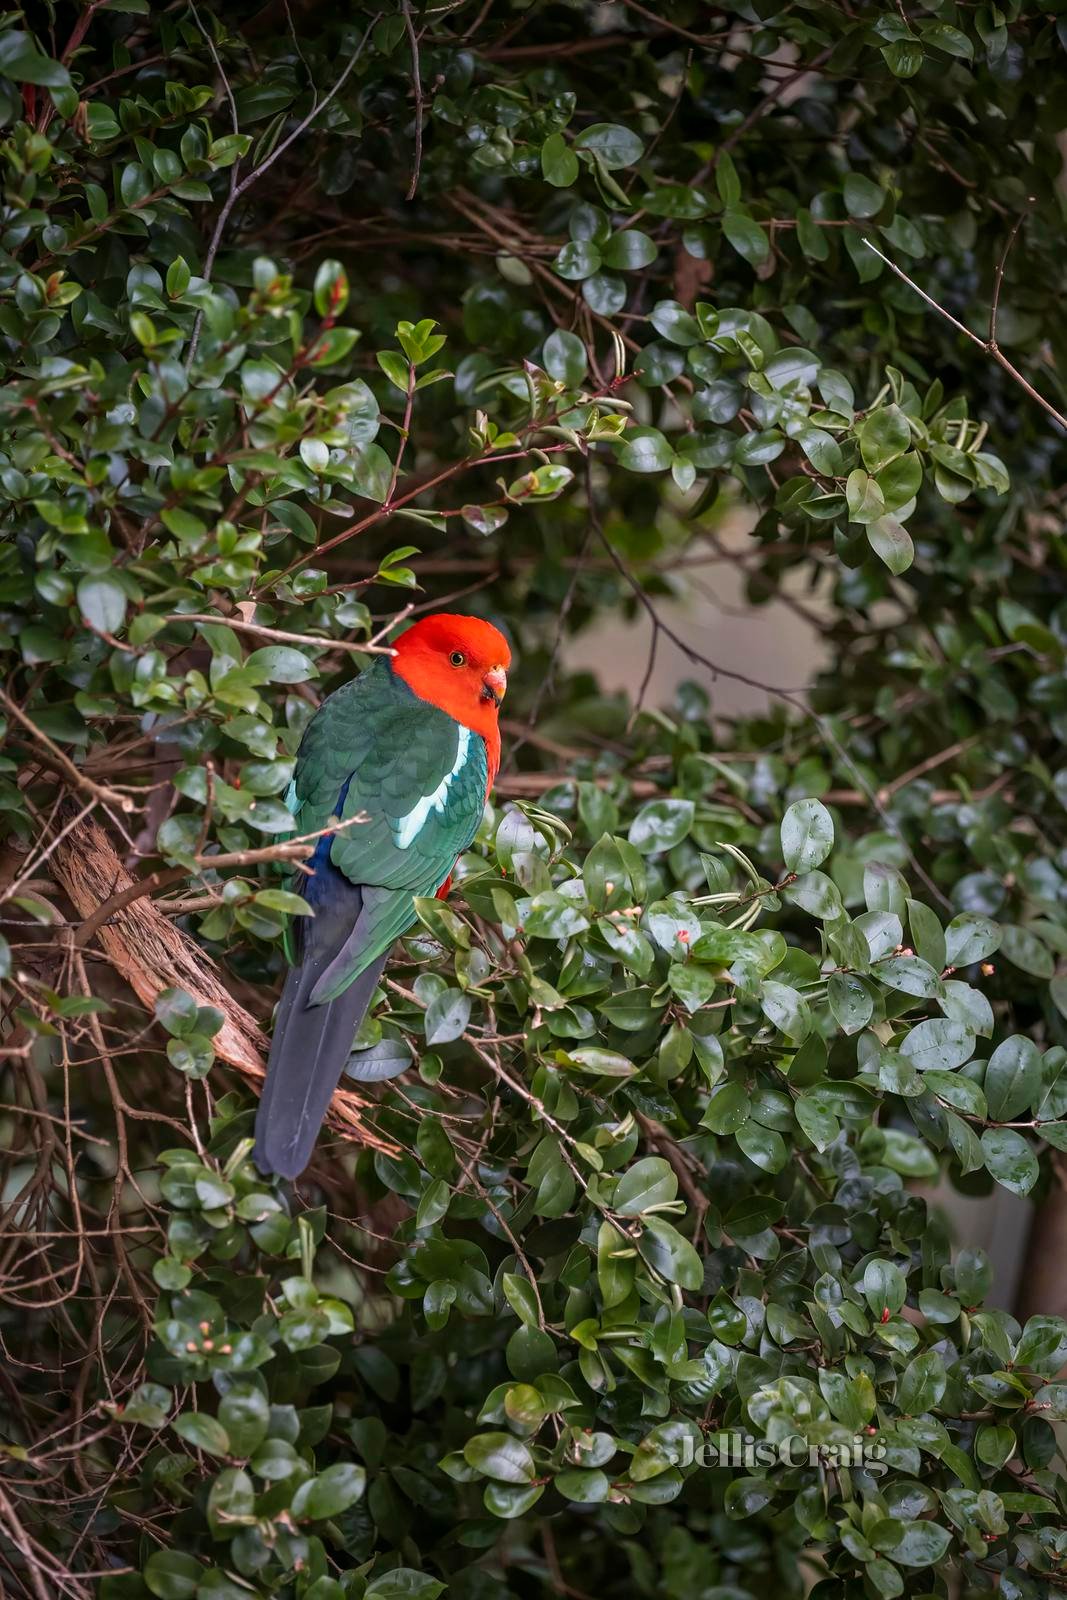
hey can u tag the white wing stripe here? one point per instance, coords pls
(406, 829)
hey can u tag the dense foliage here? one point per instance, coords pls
(313, 316)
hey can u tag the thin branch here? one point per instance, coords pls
(416, 84)
(989, 345)
(58, 758)
(283, 636)
(758, 112)
(297, 849)
(999, 277)
(35, 863)
(239, 190)
(235, 172)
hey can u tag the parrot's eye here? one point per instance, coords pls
(458, 659)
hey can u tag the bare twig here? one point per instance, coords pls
(59, 759)
(989, 345)
(282, 635)
(239, 189)
(758, 112)
(998, 279)
(416, 84)
(289, 850)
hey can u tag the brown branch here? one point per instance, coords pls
(297, 849)
(151, 954)
(60, 760)
(239, 189)
(416, 84)
(998, 279)
(990, 345)
(760, 111)
(282, 635)
(565, 47)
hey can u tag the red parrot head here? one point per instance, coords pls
(459, 664)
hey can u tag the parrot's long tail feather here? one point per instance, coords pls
(311, 1042)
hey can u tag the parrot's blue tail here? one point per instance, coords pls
(312, 1043)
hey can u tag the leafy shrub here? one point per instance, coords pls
(712, 1006)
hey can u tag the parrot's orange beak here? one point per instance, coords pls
(494, 685)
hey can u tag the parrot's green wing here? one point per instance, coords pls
(417, 775)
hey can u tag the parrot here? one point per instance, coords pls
(413, 746)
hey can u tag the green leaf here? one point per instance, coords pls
(672, 1256)
(676, 324)
(577, 260)
(559, 164)
(629, 251)
(499, 1456)
(177, 1011)
(22, 60)
(330, 1493)
(816, 894)
(970, 938)
(645, 450)
(1010, 1160)
(884, 436)
(279, 663)
(912, 1544)
(447, 1016)
(787, 1010)
(565, 358)
(728, 1322)
(817, 1120)
(910, 975)
(604, 1063)
(891, 543)
(864, 498)
(1051, 1402)
(851, 1400)
(994, 1445)
(331, 289)
(231, 1502)
(244, 1412)
(660, 825)
(863, 198)
(1043, 1346)
(807, 835)
(1026, 951)
(1012, 1078)
(943, 36)
(649, 1182)
(884, 1286)
(101, 600)
(613, 145)
(727, 182)
(521, 1298)
(940, 1044)
(903, 57)
(811, 238)
(900, 481)
(172, 1575)
(402, 1583)
(746, 236)
(922, 1384)
(729, 1108)
(850, 1000)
